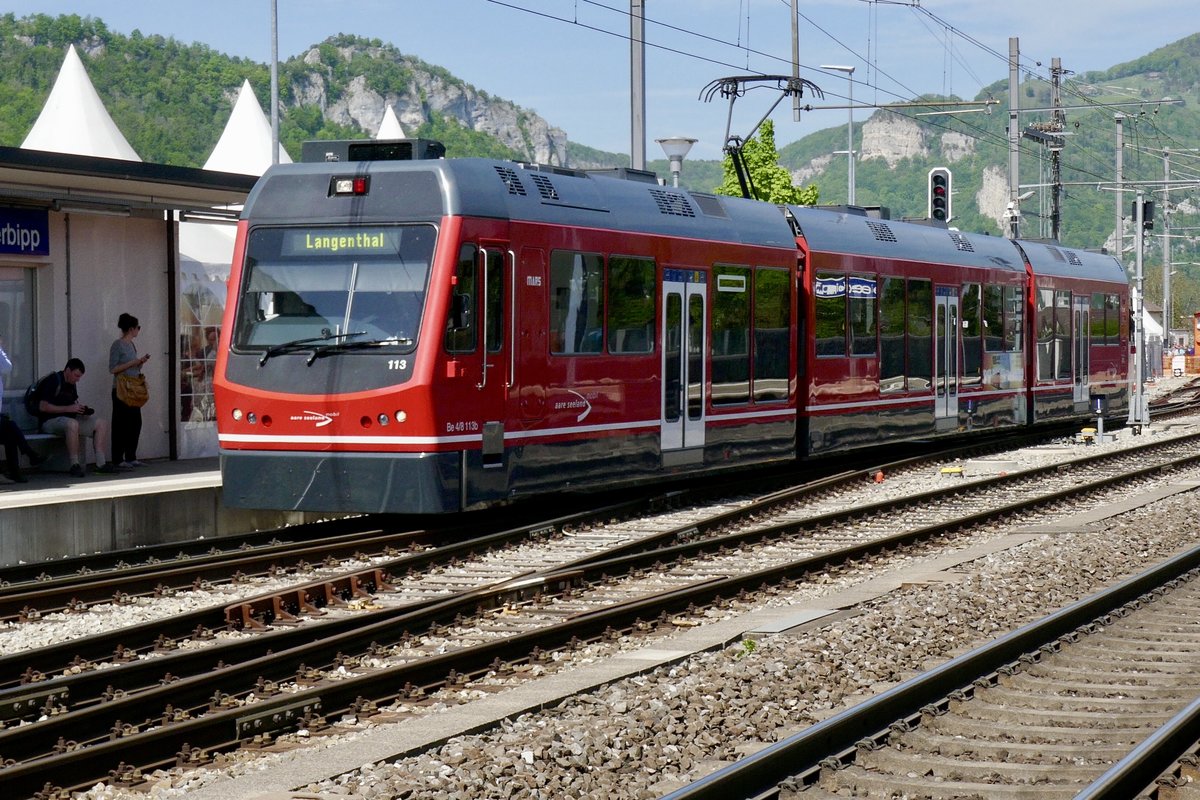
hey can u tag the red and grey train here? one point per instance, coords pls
(436, 335)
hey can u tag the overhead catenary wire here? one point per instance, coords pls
(981, 134)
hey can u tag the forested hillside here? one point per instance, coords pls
(1151, 129)
(1088, 156)
(172, 100)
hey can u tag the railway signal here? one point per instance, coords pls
(939, 194)
(1147, 213)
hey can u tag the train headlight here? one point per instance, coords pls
(401, 416)
(383, 419)
(237, 415)
(252, 418)
(357, 185)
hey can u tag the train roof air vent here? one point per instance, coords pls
(673, 203)
(710, 205)
(1058, 256)
(545, 187)
(962, 242)
(882, 231)
(1073, 258)
(511, 180)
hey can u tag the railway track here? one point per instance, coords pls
(1097, 700)
(209, 720)
(32, 591)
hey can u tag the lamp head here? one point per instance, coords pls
(676, 147)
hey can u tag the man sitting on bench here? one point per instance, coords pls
(61, 413)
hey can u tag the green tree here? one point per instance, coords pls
(769, 181)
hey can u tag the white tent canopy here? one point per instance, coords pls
(1151, 326)
(74, 119)
(245, 144)
(390, 127)
(244, 148)
(206, 248)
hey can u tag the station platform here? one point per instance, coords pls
(56, 515)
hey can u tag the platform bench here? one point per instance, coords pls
(51, 447)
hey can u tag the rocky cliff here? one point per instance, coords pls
(415, 90)
(892, 137)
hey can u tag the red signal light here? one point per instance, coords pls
(939, 194)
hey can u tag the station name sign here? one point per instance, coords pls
(24, 232)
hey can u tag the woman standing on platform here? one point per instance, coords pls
(128, 393)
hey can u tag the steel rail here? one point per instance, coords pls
(1146, 763)
(682, 542)
(210, 730)
(799, 756)
(35, 664)
(153, 580)
(131, 640)
(42, 587)
(16, 578)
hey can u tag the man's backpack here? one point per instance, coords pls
(32, 402)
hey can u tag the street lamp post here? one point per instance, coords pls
(676, 147)
(849, 127)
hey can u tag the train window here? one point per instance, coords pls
(460, 322)
(1097, 327)
(576, 303)
(971, 335)
(1045, 334)
(862, 314)
(1112, 318)
(829, 297)
(1014, 319)
(334, 285)
(1106, 319)
(695, 357)
(993, 318)
(891, 336)
(672, 361)
(493, 334)
(920, 335)
(772, 323)
(631, 290)
(730, 335)
(1062, 335)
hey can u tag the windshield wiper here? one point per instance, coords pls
(301, 344)
(342, 347)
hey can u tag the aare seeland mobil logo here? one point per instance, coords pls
(321, 419)
(582, 405)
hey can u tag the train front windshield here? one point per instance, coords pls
(359, 288)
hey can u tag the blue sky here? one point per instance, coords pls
(568, 60)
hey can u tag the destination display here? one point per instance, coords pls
(340, 241)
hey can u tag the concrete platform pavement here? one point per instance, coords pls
(56, 515)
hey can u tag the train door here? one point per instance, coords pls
(1081, 338)
(945, 358)
(485, 475)
(530, 347)
(684, 300)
